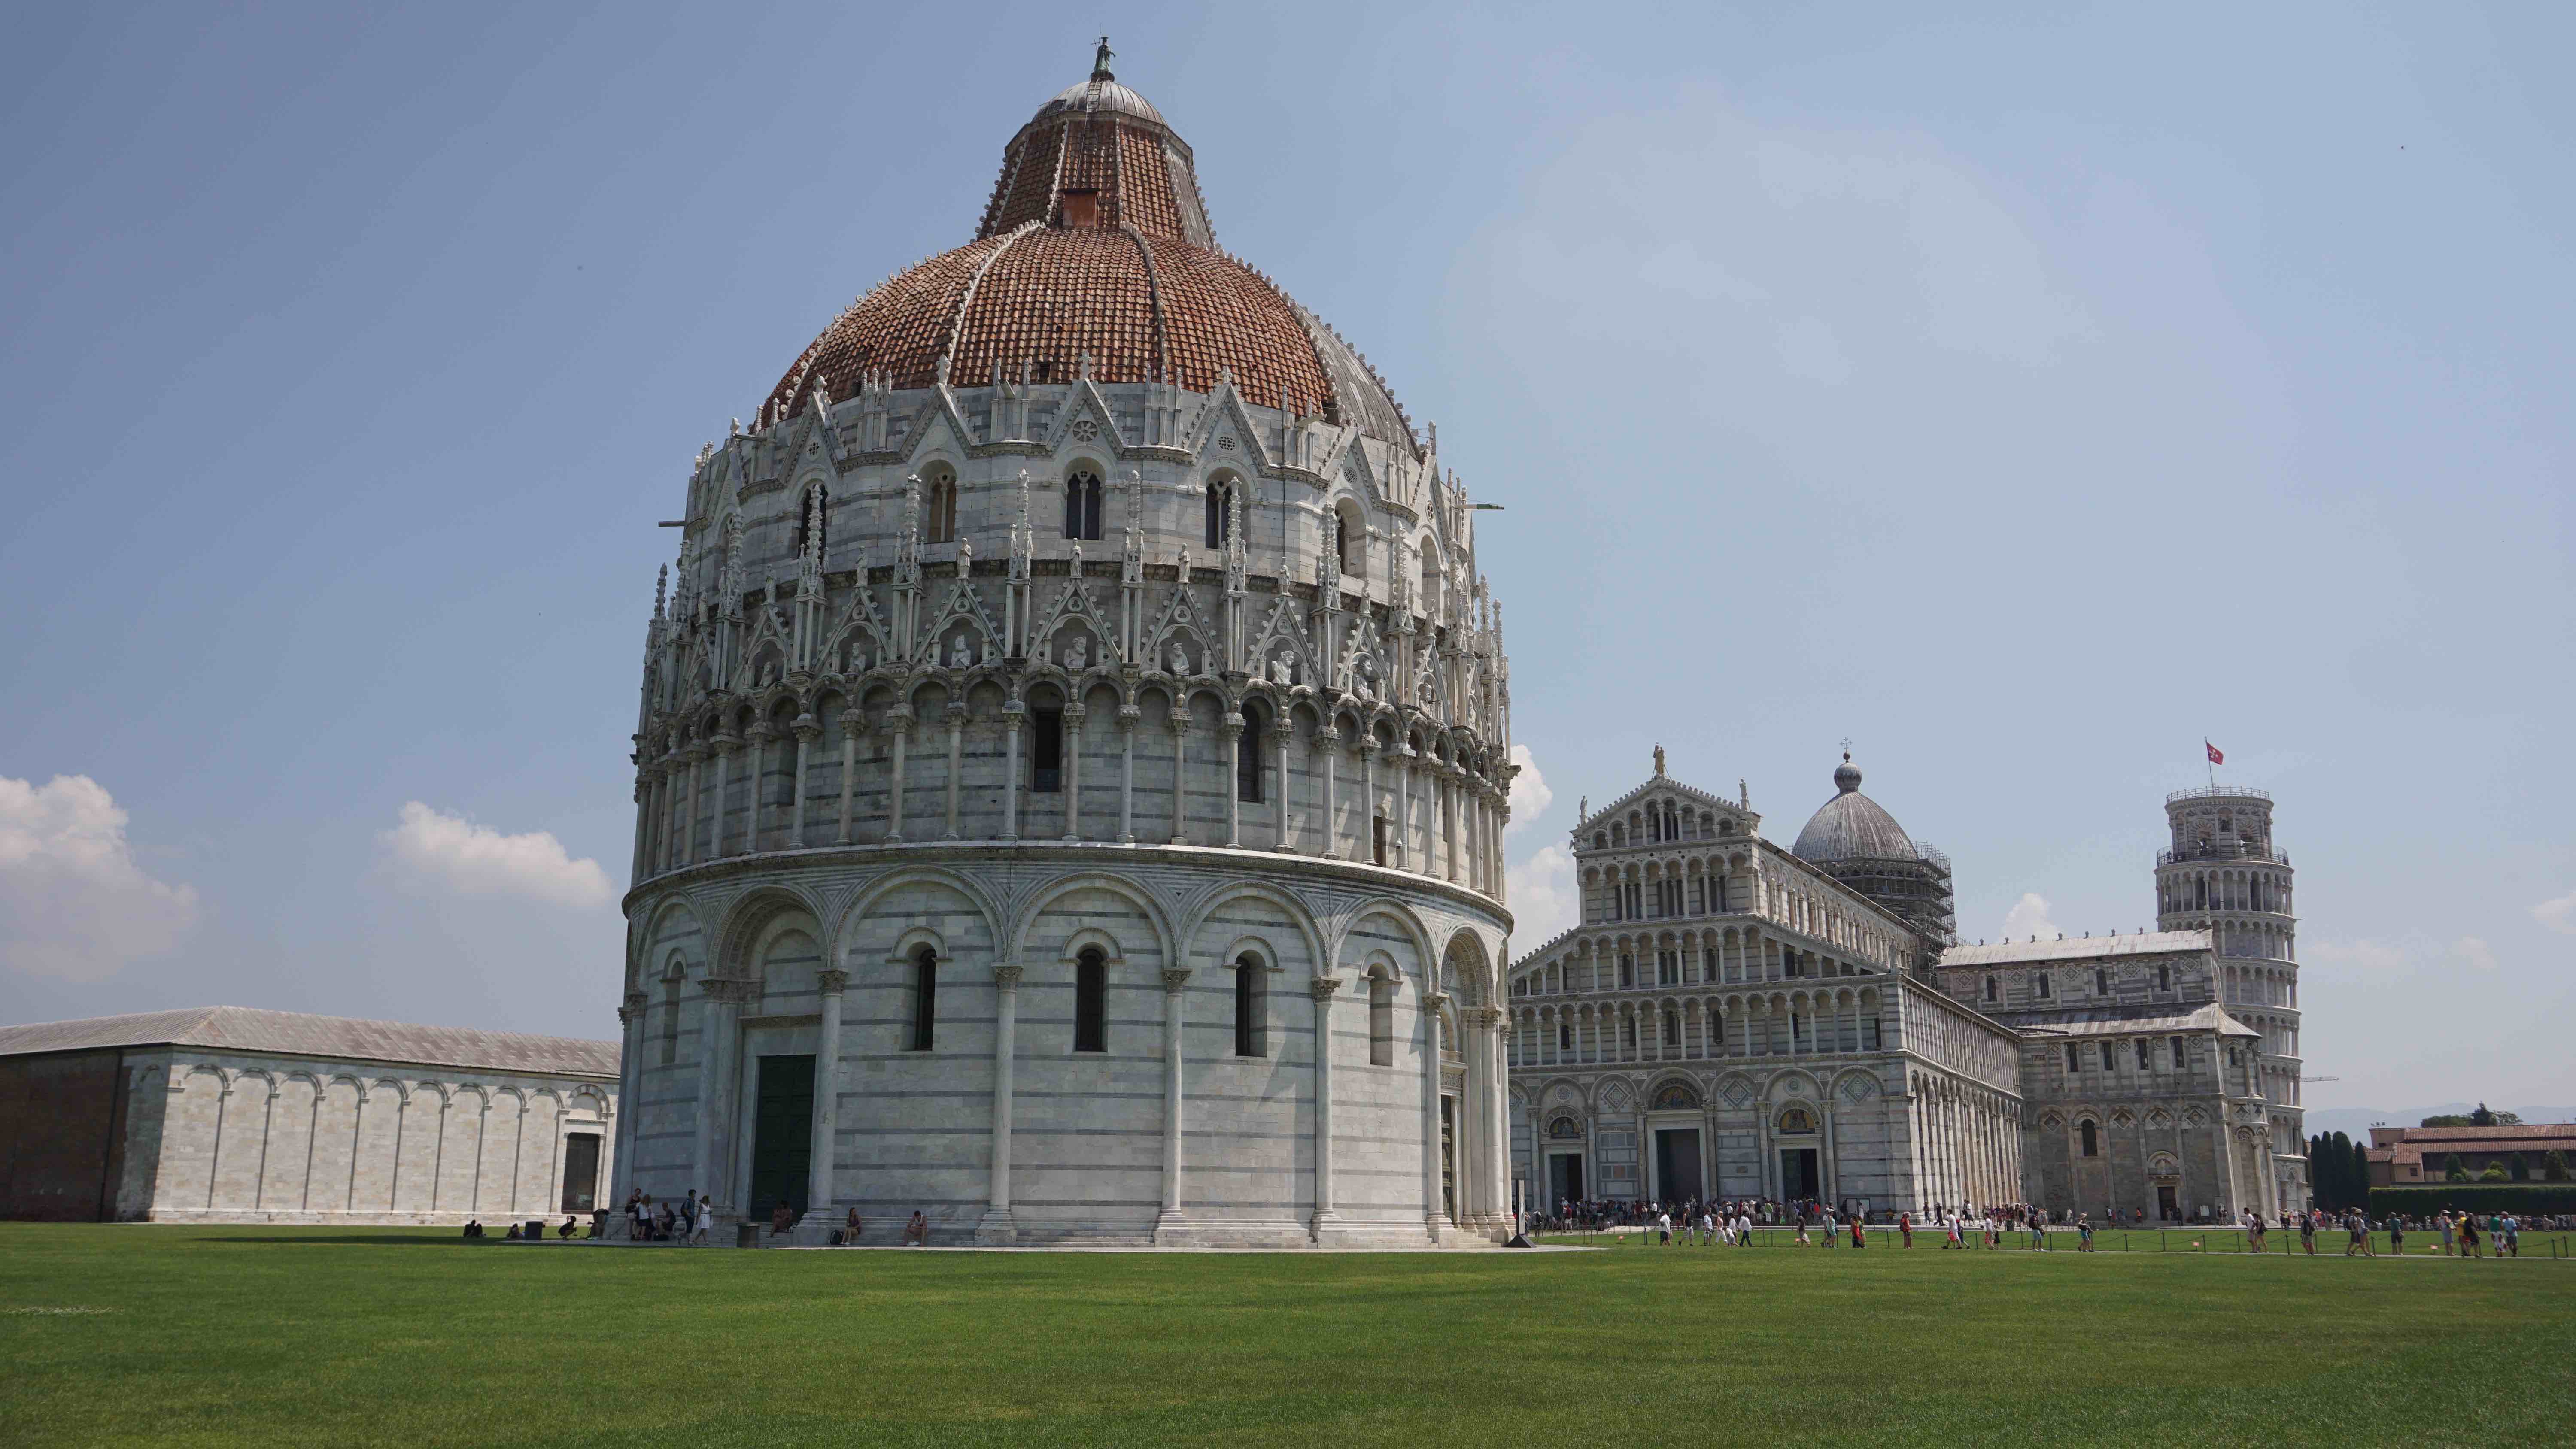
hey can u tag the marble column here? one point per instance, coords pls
(829, 983)
(1283, 732)
(851, 723)
(956, 715)
(1074, 715)
(761, 736)
(1368, 748)
(718, 1048)
(1180, 777)
(1233, 727)
(807, 732)
(724, 746)
(898, 722)
(630, 1094)
(997, 1226)
(1128, 715)
(1325, 742)
(1323, 988)
(1172, 1218)
(1434, 1218)
(1014, 716)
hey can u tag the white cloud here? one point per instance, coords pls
(1809, 349)
(1530, 794)
(2362, 955)
(1544, 898)
(2471, 952)
(431, 849)
(2028, 918)
(73, 904)
(2558, 915)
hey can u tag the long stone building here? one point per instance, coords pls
(1732, 1019)
(227, 1114)
(1072, 760)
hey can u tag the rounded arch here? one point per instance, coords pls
(843, 926)
(1036, 902)
(658, 941)
(1196, 912)
(746, 926)
(1388, 908)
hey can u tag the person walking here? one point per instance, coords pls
(2442, 1220)
(2510, 1245)
(2397, 1236)
(2469, 1235)
(2084, 1232)
(2308, 1233)
(1664, 1226)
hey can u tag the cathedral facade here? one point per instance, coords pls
(1071, 765)
(1736, 1020)
(1732, 1019)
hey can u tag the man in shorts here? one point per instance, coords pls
(2308, 1233)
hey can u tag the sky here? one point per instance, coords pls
(2025, 394)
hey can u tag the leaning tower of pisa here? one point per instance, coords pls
(2223, 873)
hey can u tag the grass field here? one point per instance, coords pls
(284, 1336)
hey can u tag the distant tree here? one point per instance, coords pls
(2350, 1191)
(2495, 1173)
(2553, 1168)
(2452, 1171)
(2508, 1119)
(2482, 1117)
(2360, 1161)
(2521, 1165)
(2447, 1119)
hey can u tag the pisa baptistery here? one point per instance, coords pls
(1071, 767)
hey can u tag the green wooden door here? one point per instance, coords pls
(782, 1135)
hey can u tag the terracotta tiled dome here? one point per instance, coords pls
(1095, 246)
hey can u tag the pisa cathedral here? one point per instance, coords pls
(1071, 764)
(1735, 1020)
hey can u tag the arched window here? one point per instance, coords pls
(1251, 1007)
(1672, 1027)
(1248, 755)
(822, 535)
(2092, 1138)
(1430, 583)
(2074, 1063)
(1350, 538)
(1994, 989)
(941, 526)
(1220, 513)
(671, 1016)
(925, 997)
(1381, 1021)
(2101, 981)
(2040, 983)
(1082, 505)
(1090, 1001)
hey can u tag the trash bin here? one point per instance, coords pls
(746, 1235)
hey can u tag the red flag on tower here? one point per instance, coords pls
(2215, 757)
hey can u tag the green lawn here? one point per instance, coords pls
(285, 1336)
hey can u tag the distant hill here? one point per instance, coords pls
(2355, 1122)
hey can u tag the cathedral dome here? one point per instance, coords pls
(1852, 826)
(1095, 252)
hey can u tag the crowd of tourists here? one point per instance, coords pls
(1731, 1222)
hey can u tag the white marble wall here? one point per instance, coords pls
(242, 1137)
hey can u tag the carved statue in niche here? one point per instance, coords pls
(1283, 670)
(1360, 668)
(963, 656)
(1180, 660)
(1077, 654)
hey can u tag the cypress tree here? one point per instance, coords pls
(2553, 1168)
(2360, 1169)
